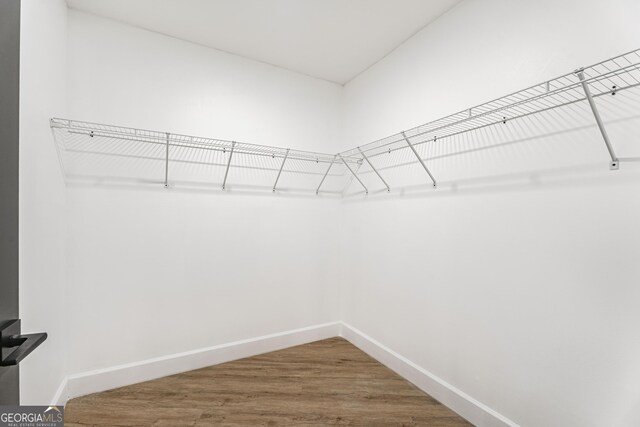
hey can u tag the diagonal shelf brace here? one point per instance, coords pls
(350, 181)
(419, 158)
(226, 172)
(615, 163)
(326, 173)
(280, 171)
(366, 190)
(166, 163)
(364, 156)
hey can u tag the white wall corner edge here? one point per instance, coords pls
(464, 405)
(98, 380)
(60, 397)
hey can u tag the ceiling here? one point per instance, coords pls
(333, 40)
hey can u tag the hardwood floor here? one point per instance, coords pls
(328, 382)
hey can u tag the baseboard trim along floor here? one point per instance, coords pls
(461, 403)
(118, 376)
(326, 382)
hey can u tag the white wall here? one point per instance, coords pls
(42, 196)
(126, 76)
(513, 282)
(153, 271)
(516, 280)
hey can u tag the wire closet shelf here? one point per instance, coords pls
(585, 84)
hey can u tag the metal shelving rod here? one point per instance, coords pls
(364, 156)
(221, 149)
(280, 171)
(326, 173)
(609, 76)
(366, 190)
(94, 140)
(226, 172)
(419, 158)
(615, 163)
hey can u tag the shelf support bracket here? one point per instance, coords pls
(280, 171)
(615, 162)
(419, 158)
(366, 190)
(166, 163)
(326, 173)
(226, 172)
(350, 181)
(364, 156)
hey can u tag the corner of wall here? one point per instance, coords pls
(42, 236)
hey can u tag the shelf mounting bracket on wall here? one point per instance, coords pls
(326, 173)
(280, 171)
(364, 156)
(226, 172)
(366, 190)
(419, 158)
(615, 162)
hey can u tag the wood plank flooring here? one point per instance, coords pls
(328, 382)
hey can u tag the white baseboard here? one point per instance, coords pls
(466, 406)
(118, 376)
